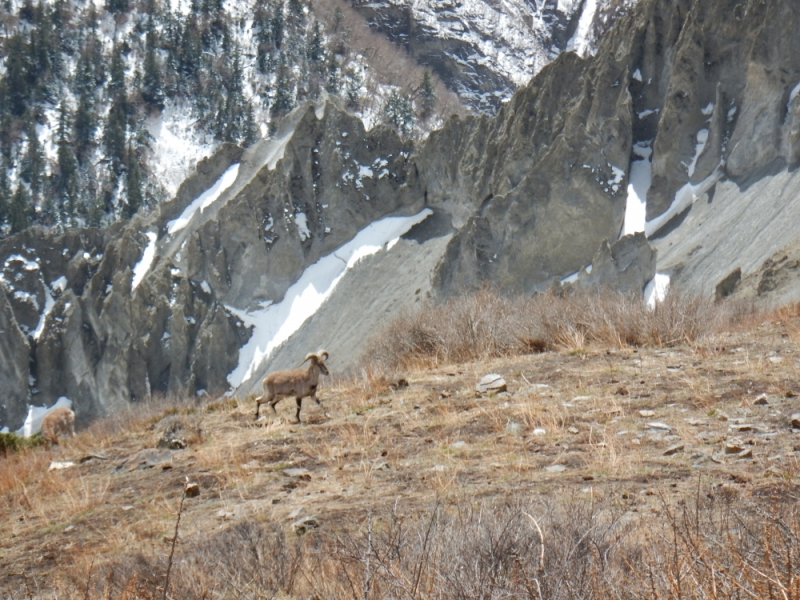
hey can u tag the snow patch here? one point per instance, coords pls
(27, 264)
(33, 422)
(275, 323)
(205, 199)
(143, 266)
(59, 285)
(702, 138)
(637, 75)
(301, 221)
(793, 94)
(49, 303)
(708, 110)
(639, 182)
(656, 290)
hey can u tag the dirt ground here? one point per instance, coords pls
(638, 425)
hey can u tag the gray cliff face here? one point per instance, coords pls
(104, 342)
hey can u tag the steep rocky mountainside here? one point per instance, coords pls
(484, 50)
(681, 132)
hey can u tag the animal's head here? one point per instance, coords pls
(318, 359)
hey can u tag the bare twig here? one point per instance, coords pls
(174, 540)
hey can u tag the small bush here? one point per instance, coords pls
(11, 442)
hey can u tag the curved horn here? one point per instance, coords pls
(323, 355)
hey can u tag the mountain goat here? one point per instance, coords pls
(294, 382)
(58, 421)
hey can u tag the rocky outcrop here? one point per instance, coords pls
(14, 368)
(625, 266)
(106, 317)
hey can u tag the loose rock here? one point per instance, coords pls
(673, 450)
(491, 384)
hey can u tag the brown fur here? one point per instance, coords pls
(59, 421)
(294, 382)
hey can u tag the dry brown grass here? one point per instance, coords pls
(485, 325)
(431, 491)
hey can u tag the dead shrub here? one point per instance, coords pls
(485, 325)
(709, 545)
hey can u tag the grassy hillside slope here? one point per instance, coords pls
(605, 470)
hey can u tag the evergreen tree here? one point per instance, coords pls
(114, 135)
(334, 84)
(134, 185)
(278, 24)
(33, 160)
(152, 92)
(117, 6)
(398, 112)
(19, 213)
(315, 50)
(16, 88)
(85, 125)
(116, 86)
(284, 100)
(65, 175)
(427, 96)
(5, 195)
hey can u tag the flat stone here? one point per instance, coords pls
(742, 427)
(491, 384)
(573, 430)
(673, 450)
(746, 453)
(555, 469)
(796, 420)
(660, 426)
(458, 444)
(647, 413)
(539, 431)
(761, 400)
(733, 448)
(297, 472)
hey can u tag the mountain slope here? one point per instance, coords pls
(683, 101)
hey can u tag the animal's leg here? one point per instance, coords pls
(317, 400)
(259, 400)
(273, 399)
(299, 405)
